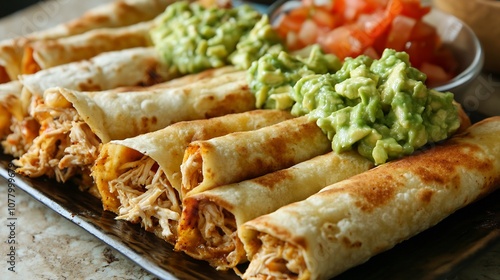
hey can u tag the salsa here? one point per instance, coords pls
(348, 28)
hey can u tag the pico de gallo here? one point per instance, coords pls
(348, 28)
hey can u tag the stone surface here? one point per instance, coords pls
(51, 247)
(47, 246)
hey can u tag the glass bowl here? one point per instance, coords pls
(482, 17)
(455, 34)
(464, 44)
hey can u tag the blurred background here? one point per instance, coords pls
(8, 7)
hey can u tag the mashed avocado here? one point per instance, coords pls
(380, 107)
(192, 38)
(273, 76)
(261, 40)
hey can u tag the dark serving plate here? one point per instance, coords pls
(438, 253)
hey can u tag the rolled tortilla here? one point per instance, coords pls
(139, 66)
(10, 94)
(123, 70)
(11, 56)
(45, 54)
(139, 178)
(118, 115)
(348, 222)
(250, 154)
(115, 14)
(209, 226)
(74, 123)
(131, 67)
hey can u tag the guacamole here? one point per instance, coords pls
(262, 39)
(273, 76)
(191, 38)
(380, 107)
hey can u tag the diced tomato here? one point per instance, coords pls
(308, 33)
(338, 7)
(423, 31)
(346, 41)
(287, 24)
(380, 41)
(394, 8)
(299, 14)
(348, 28)
(414, 9)
(371, 52)
(377, 22)
(400, 32)
(419, 51)
(324, 18)
(435, 74)
(422, 43)
(354, 8)
(373, 24)
(445, 58)
(292, 41)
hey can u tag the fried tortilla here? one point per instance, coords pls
(347, 223)
(10, 104)
(209, 226)
(244, 155)
(139, 66)
(211, 220)
(75, 123)
(116, 14)
(131, 67)
(45, 54)
(139, 178)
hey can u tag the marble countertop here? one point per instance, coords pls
(51, 247)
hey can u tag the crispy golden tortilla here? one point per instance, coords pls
(75, 123)
(348, 222)
(116, 14)
(130, 67)
(45, 54)
(209, 226)
(139, 178)
(240, 156)
(10, 94)
(116, 114)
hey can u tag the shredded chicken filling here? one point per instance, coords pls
(21, 137)
(66, 146)
(276, 259)
(147, 197)
(193, 170)
(24, 128)
(218, 229)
